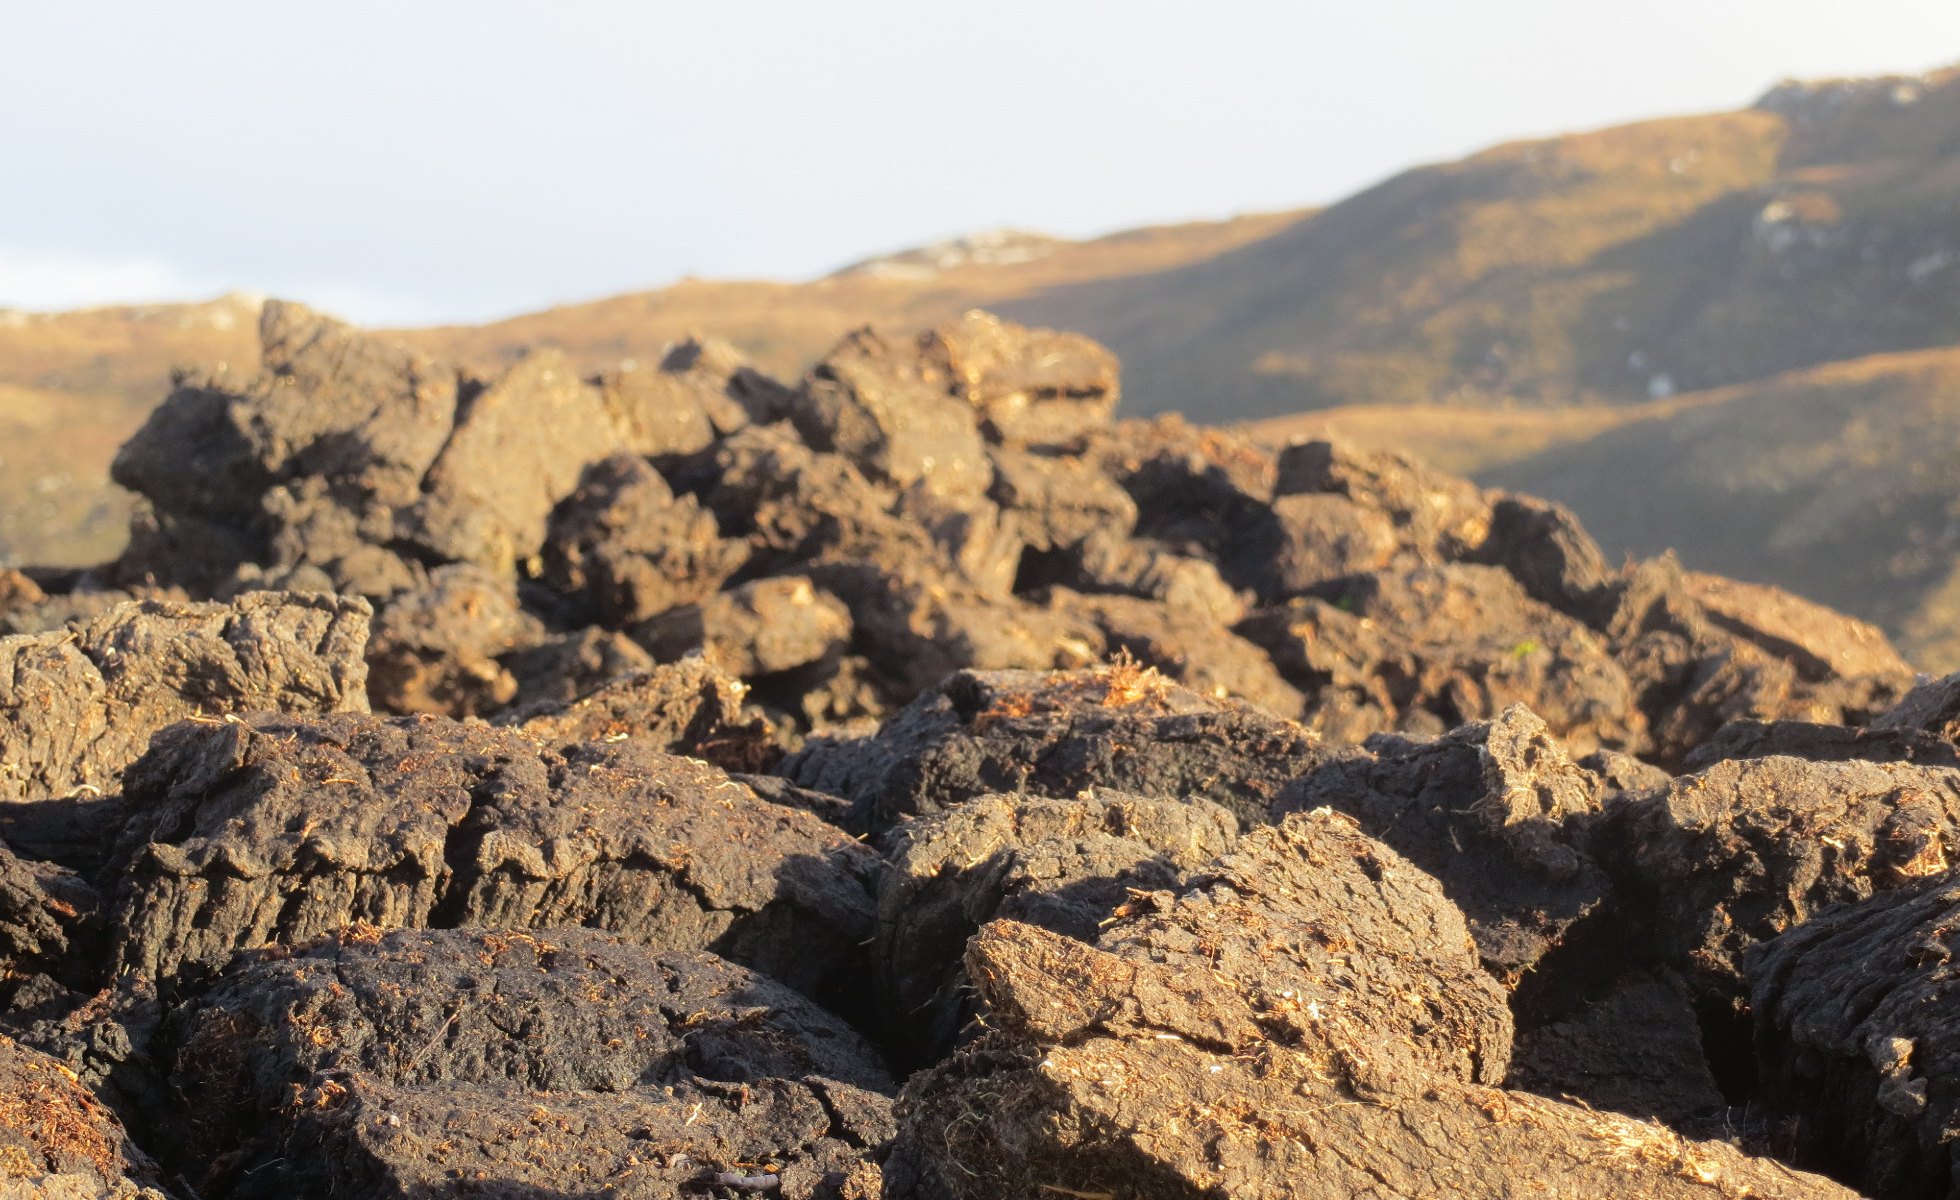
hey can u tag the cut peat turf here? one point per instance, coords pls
(915, 782)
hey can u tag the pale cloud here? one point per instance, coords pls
(44, 282)
(36, 281)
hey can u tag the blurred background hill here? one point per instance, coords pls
(1736, 334)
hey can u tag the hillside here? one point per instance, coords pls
(785, 327)
(1608, 267)
(1839, 482)
(73, 386)
(1571, 316)
(1468, 441)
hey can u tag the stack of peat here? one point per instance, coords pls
(918, 784)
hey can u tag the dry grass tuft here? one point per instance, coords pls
(64, 1125)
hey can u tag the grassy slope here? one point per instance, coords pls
(1465, 441)
(1711, 250)
(785, 327)
(73, 386)
(1469, 281)
(1708, 250)
(55, 495)
(1839, 482)
(1582, 269)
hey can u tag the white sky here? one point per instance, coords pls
(413, 161)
